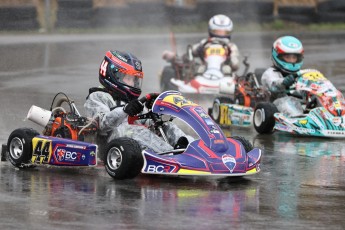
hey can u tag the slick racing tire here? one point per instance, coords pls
(263, 118)
(123, 159)
(19, 147)
(215, 112)
(167, 74)
(246, 143)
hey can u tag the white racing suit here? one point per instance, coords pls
(113, 123)
(233, 58)
(272, 79)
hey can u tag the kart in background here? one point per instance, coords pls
(238, 110)
(324, 109)
(211, 75)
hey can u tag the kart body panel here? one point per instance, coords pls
(62, 152)
(212, 154)
(235, 115)
(327, 119)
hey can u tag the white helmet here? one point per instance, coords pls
(220, 26)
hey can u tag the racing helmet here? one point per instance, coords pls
(220, 26)
(121, 74)
(287, 45)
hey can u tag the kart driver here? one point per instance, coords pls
(287, 57)
(121, 76)
(219, 30)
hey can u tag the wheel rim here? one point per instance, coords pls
(258, 117)
(16, 148)
(215, 111)
(114, 158)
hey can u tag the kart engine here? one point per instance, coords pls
(58, 122)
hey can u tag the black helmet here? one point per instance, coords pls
(121, 74)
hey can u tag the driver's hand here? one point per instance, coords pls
(288, 81)
(150, 98)
(133, 107)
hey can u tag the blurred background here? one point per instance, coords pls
(49, 15)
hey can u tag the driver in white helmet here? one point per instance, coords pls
(219, 30)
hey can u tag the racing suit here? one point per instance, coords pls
(113, 123)
(272, 80)
(233, 56)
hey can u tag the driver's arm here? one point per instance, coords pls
(99, 104)
(234, 57)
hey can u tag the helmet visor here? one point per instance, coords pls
(129, 79)
(291, 57)
(220, 33)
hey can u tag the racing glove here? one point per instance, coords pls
(151, 97)
(288, 81)
(133, 107)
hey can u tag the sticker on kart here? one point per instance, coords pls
(178, 101)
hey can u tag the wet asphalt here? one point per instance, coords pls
(301, 185)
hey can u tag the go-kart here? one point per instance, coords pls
(238, 110)
(211, 75)
(62, 142)
(323, 104)
(211, 154)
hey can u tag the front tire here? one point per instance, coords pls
(246, 143)
(19, 146)
(263, 118)
(123, 159)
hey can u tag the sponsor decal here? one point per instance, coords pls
(60, 154)
(229, 161)
(75, 146)
(64, 155)
(218, 50)
(219, 141)
(179, 101)
(137, 65)
(335, 132)
(304, 130)
(203, 115)
(303, 122)
(159, 168)
(121, 57)
(336, 121)
(214, 131)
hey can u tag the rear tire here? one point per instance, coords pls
(123, 159)
(263, 118)
(215, 111)
(167, 74)
(19, 146)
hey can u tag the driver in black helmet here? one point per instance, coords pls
(121, 76)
